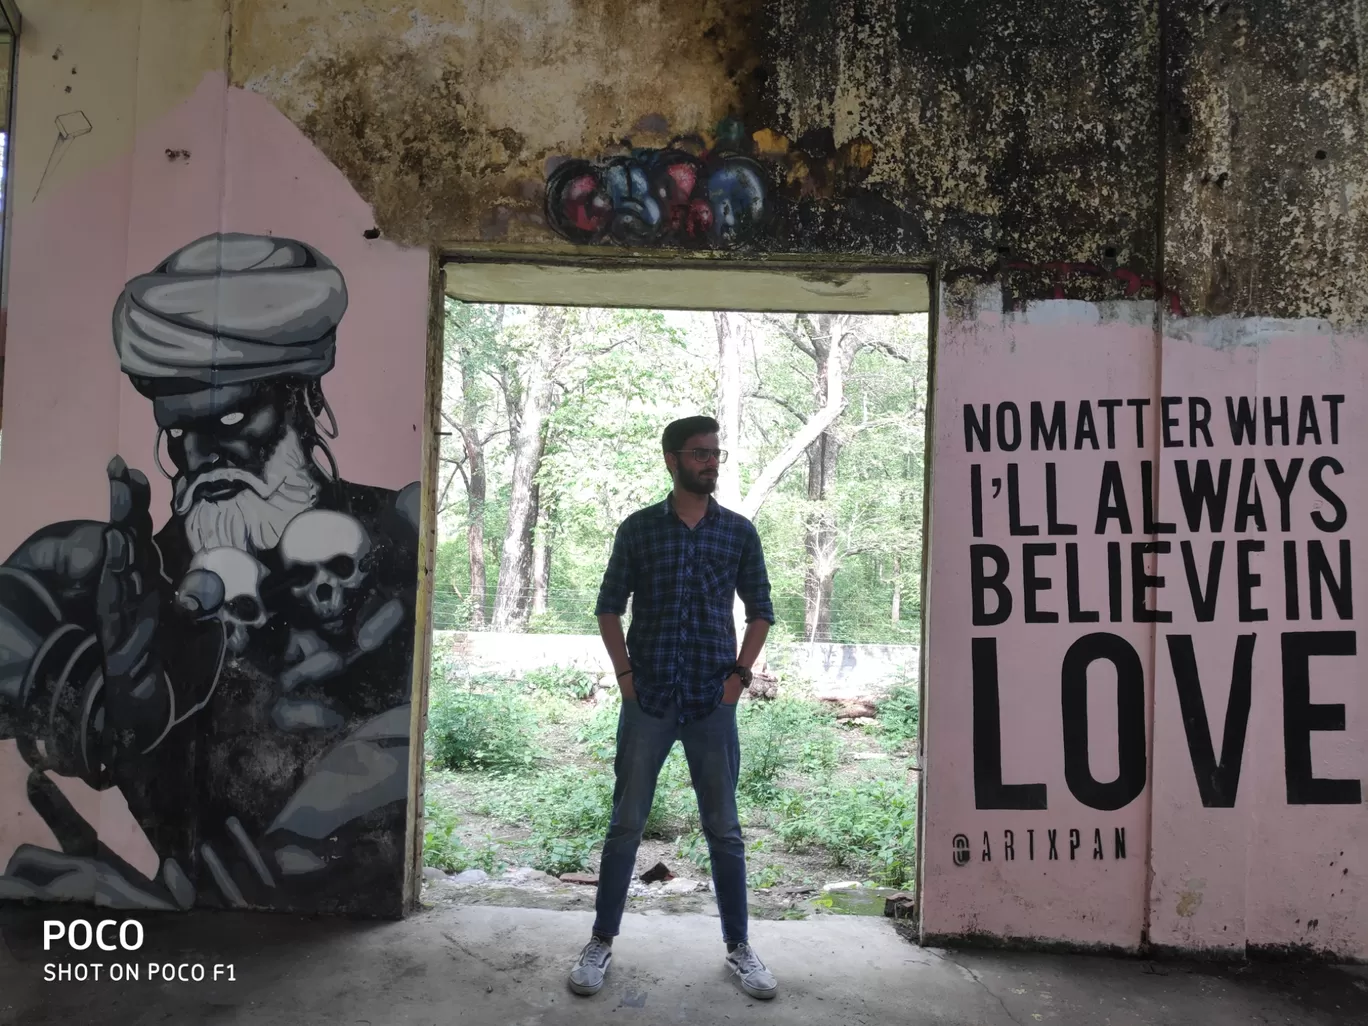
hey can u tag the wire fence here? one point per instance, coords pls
(571, 611)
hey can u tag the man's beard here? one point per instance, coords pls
(696, 483)
(254, 518)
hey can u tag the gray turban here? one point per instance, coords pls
(228, 309)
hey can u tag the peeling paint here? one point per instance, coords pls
(1230, 332)
(1189, 902)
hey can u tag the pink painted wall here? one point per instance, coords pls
(1274, 868)
(1020, 358)
(68, 409)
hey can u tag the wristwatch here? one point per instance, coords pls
(744, 672)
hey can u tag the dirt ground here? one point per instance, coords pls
(787, 900)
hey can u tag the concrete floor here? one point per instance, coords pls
(481, 964)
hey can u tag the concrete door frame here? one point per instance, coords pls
(10, 25)
(592, 277)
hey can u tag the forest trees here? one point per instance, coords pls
(472, 333)
(525, 392)
(555, 416)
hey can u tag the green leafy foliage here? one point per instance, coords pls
(874, 504)
(791, 752)
(674, 808)
(872, 823)
(786, 734)
(443, 847)
(626, 373)
(561, 681)
(768, 876)
(693, 846)
(899, 716)
(493, 729)
(565, 809)
(557, 855)
(598, 733)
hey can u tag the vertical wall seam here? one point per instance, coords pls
(1160, 298)
(928, 461)
(227, 87)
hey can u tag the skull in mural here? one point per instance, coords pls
(242, 610)
(326, 550)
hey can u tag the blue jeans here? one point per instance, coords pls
(713, 751)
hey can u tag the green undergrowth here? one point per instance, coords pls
(532, 754)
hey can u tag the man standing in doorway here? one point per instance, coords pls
(682, 561)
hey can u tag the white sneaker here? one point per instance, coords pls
(587, 976)
(756, 980)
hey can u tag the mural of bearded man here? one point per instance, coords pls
(241, 675)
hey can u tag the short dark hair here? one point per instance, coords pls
(680, 431)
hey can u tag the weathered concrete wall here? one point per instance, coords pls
(909, 129)
(1266, 211)
(1055, 163)
(443, 114)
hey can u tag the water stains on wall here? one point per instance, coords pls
(444, 115)
(970, 134)
(933, 132)
(1265, 211)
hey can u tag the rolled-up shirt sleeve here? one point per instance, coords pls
(617, 577)
(752, 580)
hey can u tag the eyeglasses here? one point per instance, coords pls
(701, 455)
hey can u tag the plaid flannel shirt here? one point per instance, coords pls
(682, 639)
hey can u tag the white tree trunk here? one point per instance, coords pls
(729, 406)
(475, 500)
(897, 588)
(817, 424)
(512, 602)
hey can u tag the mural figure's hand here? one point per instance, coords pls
(127, 611)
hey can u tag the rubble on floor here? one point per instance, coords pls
(659, 890)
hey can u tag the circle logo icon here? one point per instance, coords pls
(960, 846)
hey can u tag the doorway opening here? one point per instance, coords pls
(551, 417)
